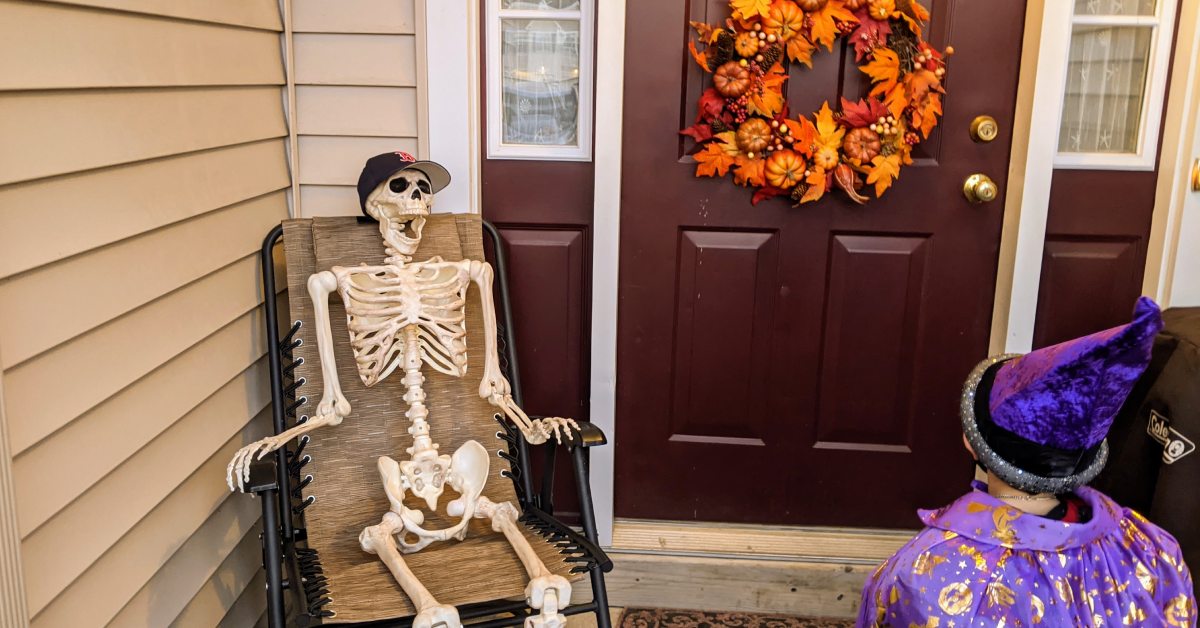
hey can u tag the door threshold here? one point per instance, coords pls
(789, 570)
(855, 546)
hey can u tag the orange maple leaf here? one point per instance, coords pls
(896, 100)
(914, 14)
(800, 50)
(743, 9)
(816, 186)
(884, 70)
(712, 161)
(929, 114)
(804, 135)
(700, 57)
(824, 26)
(707, 32)
(829, 132)
(769, 101)
(749, 171)
(728, 143)
(886, 170)
(915, 9)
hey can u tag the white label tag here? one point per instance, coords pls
(1175, 445)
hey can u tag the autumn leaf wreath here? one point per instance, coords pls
(743, 125)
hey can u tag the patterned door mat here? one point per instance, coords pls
(672, 618)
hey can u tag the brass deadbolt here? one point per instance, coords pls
(979, 188)
(1196, 175)
(984, 129)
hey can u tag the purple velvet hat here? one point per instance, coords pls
(1038, 420)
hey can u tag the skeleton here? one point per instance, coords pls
(403, 315)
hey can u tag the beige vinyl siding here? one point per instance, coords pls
(359, 92)
(144, 160)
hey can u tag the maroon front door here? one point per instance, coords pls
(802, 365)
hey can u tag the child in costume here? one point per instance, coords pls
(1034, 546)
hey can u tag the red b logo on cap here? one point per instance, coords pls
(405, 156)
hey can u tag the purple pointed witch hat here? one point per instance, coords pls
(1038, 420)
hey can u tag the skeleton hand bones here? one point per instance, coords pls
(496, 390)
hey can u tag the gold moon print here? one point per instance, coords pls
(955, 598)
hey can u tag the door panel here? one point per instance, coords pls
(722, 316)
(873, 310)
(802, 365)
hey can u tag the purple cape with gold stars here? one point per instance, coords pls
(981, 562)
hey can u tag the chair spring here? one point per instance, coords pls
(296, 491)
(287, 338)
(299, 448)
(287, 370)
(302, 506)
(291, 410)
(290, 390)
(295, 466)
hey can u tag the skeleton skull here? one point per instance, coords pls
(401, 204)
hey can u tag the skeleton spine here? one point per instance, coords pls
(415, 395)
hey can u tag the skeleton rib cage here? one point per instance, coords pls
(435, 308)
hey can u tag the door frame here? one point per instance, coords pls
(1042, 72)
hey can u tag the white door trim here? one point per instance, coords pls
(606, 230)
(1030, 170)
(451, 99)
(1172, 235)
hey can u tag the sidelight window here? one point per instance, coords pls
(539, 83)
(1116, 79)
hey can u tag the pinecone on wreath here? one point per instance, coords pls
(770, 57)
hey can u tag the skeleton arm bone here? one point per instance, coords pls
(333, 406)
(494, 387)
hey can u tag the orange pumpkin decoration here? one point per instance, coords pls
(784, 20)
(881, 9)
(812, 6)
(855, 5)
(826, 157)
(784, 169)
(754, 135)
(731, 79)
(861, 144)
(746, 44)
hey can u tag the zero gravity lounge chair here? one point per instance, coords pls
(320, 492)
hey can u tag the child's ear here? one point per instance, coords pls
(970, 449)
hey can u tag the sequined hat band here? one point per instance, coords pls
(1020, 478)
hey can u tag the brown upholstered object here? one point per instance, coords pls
(349, 494)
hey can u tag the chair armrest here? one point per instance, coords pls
(262, 476)
(588, 434)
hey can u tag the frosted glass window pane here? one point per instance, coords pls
(545, 5)
(1114, 7)
(1106, 81)
(540, 82)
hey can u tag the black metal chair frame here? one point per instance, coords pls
(293, 568)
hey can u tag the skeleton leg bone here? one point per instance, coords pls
(546, 591)
(379, 540)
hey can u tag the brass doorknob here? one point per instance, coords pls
(984, 129)
(1196, 175)
(979, 188)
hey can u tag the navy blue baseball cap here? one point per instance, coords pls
(380, 168)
